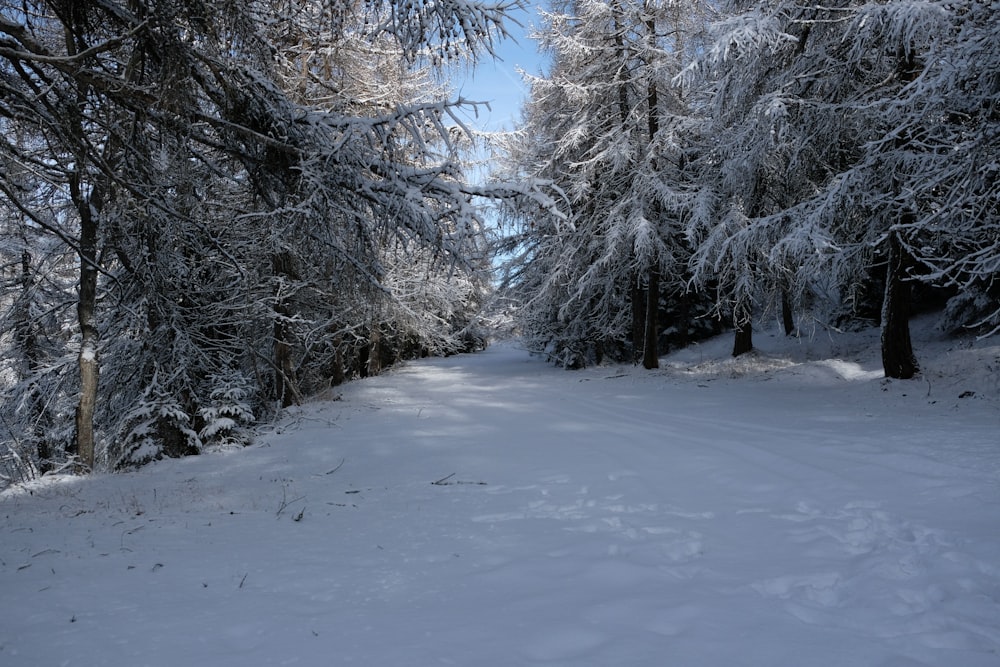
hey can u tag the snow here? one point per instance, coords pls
(790, 507)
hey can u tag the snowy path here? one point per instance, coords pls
(603, 518)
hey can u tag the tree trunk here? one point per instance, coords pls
(787, 319)
(284, 371)
(638, 295)
(337, 376)
(683, 319)
(86, 316)
(285, 386)
(26, 335)
(650, 351)
(88, 206)
(375, 353)
(898, 360)
(638, 319)
(743, 326)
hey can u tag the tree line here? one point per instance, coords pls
(726, 163)
(212, 209)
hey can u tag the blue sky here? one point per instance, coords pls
(498, 82)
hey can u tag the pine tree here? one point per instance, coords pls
(606, 128)
(810, 192)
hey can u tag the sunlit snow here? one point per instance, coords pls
(788, 508)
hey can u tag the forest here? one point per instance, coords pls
(211, 210)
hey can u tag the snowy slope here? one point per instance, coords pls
(788, 508)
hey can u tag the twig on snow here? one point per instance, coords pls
(444, 480)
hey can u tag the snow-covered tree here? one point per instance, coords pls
(607, 129)
(231, 178)
(772, 138)
(945, 133)
(814, 151)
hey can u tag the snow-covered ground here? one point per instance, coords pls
(790, 508)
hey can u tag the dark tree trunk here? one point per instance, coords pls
(638, 295)
(375, 353)
(284, 371)
(898, 360)
(285, 387)
(743, 326)
(337, 375)
(26, 335)
(638, 319)
(650, 351)
(683, 319)
(787, 318)
(650, 357)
